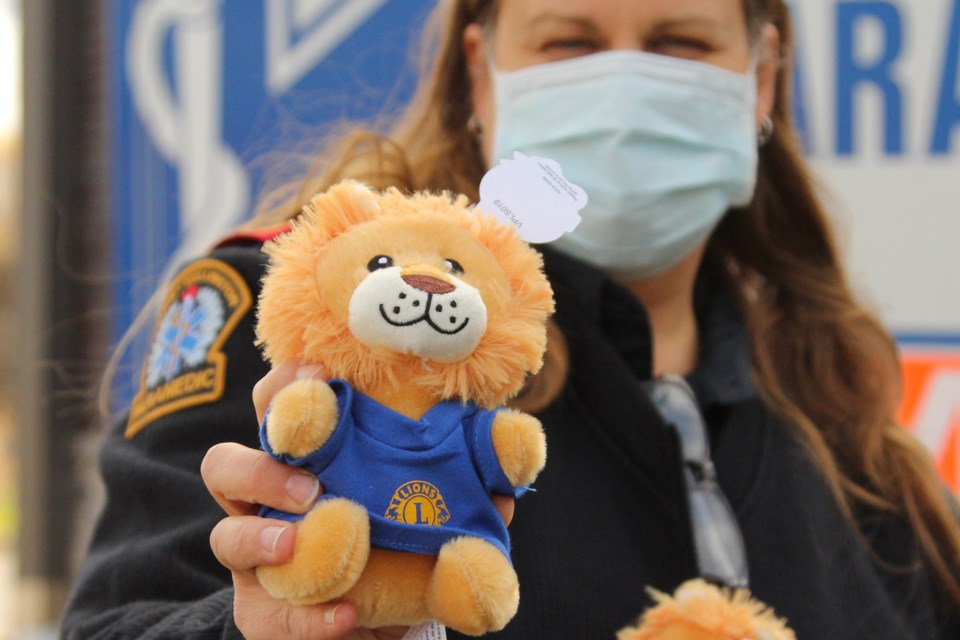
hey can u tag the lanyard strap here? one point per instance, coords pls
(718, 541)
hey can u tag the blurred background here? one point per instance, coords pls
(11, 118)
(133, 133)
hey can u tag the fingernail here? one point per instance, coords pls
(303, 489)
(330, 616)
(308, 371)
(270, 536)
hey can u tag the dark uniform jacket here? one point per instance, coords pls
(609, 517)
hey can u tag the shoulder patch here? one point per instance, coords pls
(186, 365)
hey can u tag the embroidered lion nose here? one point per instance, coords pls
(428, 284)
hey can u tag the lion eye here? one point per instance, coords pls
(380, 262)
(453, 265)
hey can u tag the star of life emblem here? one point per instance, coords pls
(185, 334)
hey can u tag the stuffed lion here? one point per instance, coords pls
(699, 610)
(429, 315)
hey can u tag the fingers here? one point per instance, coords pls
(279, 377)
(318, 622)
(504, 506)
(240, 478)
(241, 543)
(258, 616)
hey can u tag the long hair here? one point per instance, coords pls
(821, 360)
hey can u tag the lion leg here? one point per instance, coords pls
(474, 587)
(331, 550)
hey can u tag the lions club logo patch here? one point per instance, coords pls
(186, 365)
(418, 502)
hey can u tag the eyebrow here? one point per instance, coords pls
(696, 22)
(570, 20)
(659, 27)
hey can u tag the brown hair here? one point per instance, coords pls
(820, 359)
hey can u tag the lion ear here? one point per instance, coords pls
(360, 197)
(343, 205)
(286, 296)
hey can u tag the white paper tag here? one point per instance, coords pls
(432, 630)
(531, 193)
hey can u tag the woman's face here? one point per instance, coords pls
(530, 32)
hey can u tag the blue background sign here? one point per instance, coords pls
(205, 88)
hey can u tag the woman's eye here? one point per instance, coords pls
(453, 266)
(571, 46)
(679, 46)
(380, 262)
(569, 43)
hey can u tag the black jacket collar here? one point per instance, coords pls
(723, 374)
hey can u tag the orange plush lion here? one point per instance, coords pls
(701, 611)
(429, 315)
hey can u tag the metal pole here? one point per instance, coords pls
(61, 280)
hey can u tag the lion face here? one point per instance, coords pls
(417, 285)
(417, 310)
(420, 289)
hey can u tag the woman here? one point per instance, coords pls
(847, 532)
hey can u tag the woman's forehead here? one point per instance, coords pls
(720, 11)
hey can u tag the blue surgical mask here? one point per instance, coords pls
(663, 148)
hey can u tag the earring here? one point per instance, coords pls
(475, 127)
(766, 131)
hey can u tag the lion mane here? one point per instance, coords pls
(299, 315)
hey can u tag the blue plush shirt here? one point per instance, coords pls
(423, 482)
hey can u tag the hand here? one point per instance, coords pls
(240, 479)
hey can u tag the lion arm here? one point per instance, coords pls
(301, 419)
(520, 445)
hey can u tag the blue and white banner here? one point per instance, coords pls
(202, 89)
(880, 103)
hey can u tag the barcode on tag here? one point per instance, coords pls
(432, 630)
(531, 193)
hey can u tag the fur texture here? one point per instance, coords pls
(518, 297)
(518, 441)
(303, 415)
(412, 299)
(701, 611)
(335, 538)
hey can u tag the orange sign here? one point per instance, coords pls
(931, 405)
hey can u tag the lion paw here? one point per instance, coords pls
(302, 417)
